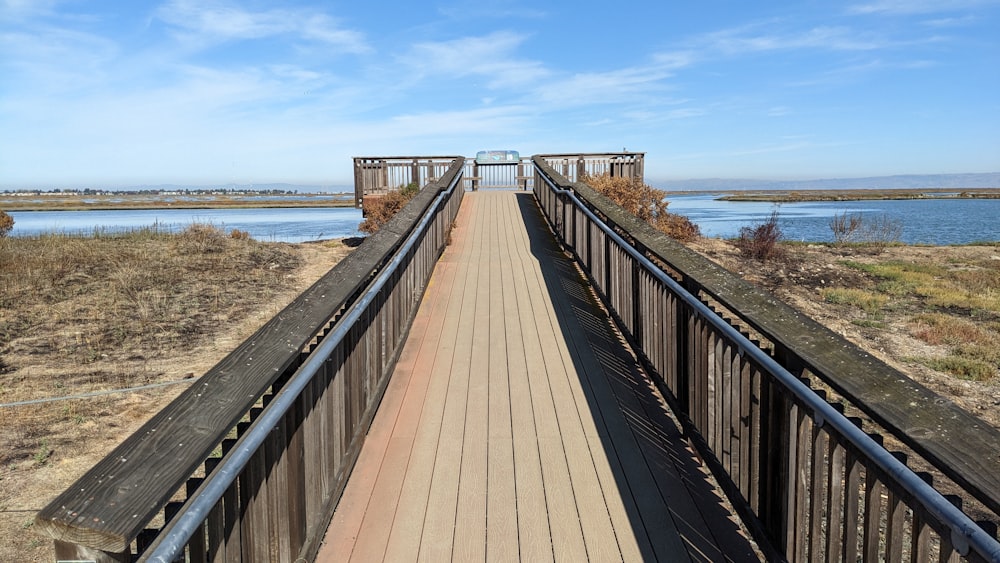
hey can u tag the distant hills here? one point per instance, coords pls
(902, 182)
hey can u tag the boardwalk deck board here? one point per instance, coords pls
(510, 429)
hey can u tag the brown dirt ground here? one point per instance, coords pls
(96, 425)
(806, 270)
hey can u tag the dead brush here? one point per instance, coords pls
(761, 241)
(379, 210)
(645, 202)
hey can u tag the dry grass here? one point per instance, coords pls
(645, 202)
(111, 303)
(91, 314)
(973, 349)
(957, 304)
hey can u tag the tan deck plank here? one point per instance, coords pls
(501, 507)
(373, 537)
(437, 354)
(643, 523)
(563, 514)
(345, 528)
(521, 334)
(633, 542)
(442, 502)
(595, 520)
(470, 520)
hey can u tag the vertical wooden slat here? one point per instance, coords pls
(895, 520)
(818, 482)
(297, 491)
(852, 502)
(791, 480)
(920, 536)
(278, 548)
(198, 544)
(712, 399)
(834, 500)
(745, 466)
(757, 439)
(874, 488)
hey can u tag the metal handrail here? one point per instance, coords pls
(174, 537)
(965, 533)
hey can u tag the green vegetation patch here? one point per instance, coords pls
(869, 302)
(973, 350)
(973, 287)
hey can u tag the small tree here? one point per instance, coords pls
(6, 223)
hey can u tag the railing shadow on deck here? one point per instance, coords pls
(661, 463)
(762, 391)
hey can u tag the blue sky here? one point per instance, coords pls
(211, 91)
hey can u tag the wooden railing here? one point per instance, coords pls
(249, 463)
(575, 166)
(745, 374)
(378, 175)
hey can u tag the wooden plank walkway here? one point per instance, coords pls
(517, 427)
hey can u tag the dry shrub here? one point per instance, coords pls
(6, 223)
(875, 234)
(937, 329)
(378, 211)
(646, 203)
(203, 238)
(760, 241)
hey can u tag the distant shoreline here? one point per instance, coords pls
(125, 202)
(793, 196)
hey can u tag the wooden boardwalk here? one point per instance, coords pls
(517, 427)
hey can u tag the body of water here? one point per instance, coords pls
(924, 221)
(266, 224)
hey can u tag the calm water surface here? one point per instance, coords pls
(284, 225)
(926, 221)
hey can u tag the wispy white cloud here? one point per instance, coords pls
(493, 56)
(495, 11)
(917, 6)
(963, 21)
(211, 22)
(750, 39)
(14, 10)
